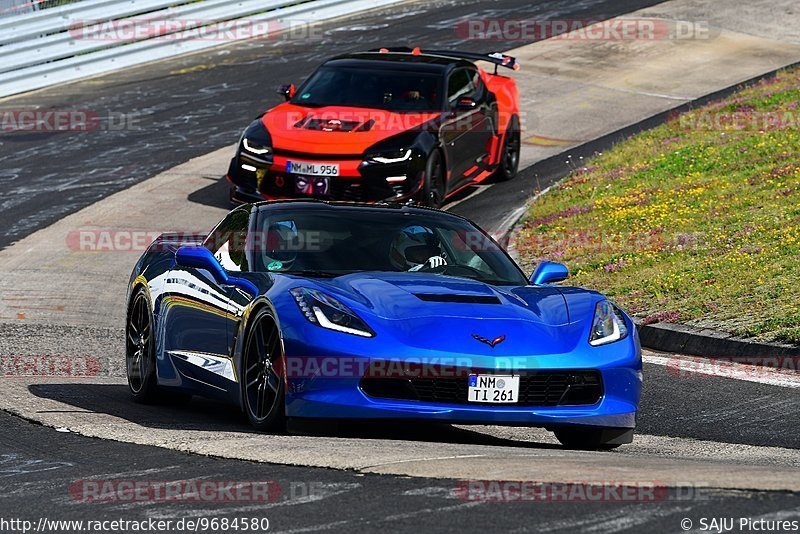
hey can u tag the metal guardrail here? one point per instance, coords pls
(71, 42)
(20, 27)
(49, 47)
(10, 8)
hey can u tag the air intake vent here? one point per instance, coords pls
(462, 299)
(330, 125)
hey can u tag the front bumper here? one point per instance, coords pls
(257, 179)
(338, 391)
(347, 401)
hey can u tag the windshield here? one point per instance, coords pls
(394, 90)
(327, 243)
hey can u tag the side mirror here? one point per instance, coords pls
(548, 272)
(287, 91)
(201, 258)
(466, 104)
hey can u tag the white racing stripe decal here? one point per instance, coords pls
(219, 365)
(691, 366)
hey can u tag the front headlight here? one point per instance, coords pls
(608, 324)
(254, 147)
(390, 156)
(256, 140)
(325, 311)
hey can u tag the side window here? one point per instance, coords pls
(459, 86)
(479, 88)
(228, 242)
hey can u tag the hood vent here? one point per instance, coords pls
(330, 125)
(460, 299)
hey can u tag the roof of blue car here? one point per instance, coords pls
(310, 203)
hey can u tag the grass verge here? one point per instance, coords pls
(696, 221)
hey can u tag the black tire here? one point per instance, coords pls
(435, 188)
(263, 388)
(509, 156)
(140, 361)
(594, 438)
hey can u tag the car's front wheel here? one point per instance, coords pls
(140, 361)
(263, 382)
(594, 438)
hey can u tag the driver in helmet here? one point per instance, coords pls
(415, 248)
(279, 249)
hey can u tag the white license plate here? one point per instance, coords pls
(312, 169)
(493, 388)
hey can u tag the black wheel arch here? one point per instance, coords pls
(248, 320)
(513, 121)
(147, 393)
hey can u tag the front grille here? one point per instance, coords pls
(282, 185)
(536, 388)
(347, 191)
(310, 156)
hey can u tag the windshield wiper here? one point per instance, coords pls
(311, 104)
(314, 273)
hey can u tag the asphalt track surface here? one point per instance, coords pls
(190, 106)
(36, 479)
(157, 116)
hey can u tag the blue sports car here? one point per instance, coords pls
(318, 310)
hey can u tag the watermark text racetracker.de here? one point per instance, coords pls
(739, 121)
(174, 29)
(188, 524)
(130, 490)
(616, 29)
(742, 367)
(633, 491)
(27, 366)
(193, 490)
(65, 120)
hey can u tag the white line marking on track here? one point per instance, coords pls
(16, 464)
(457, 457)
(690, 367)
(621, 519)
(439, 492)
(388, 518)
(322, 491)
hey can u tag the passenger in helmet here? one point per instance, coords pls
(415, 248)
(280, 246)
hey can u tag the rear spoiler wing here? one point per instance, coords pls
(498, 59)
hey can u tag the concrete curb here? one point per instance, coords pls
(682, 339)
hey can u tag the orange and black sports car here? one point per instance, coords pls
(399, 125)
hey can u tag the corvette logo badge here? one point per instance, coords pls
(490, 342)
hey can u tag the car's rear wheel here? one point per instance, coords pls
(140, 361)
(600, 438)
(263, 382)
(509, 157)
(435, 188)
